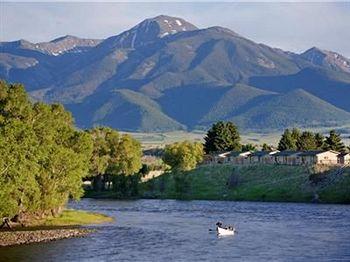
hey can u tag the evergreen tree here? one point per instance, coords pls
(307, 141)
(334, 142)
(248, 147)
(222, 136)
(287, 142)
(296, 133)
(266, 147)
(319, 140)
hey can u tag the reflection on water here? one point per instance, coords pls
(160, 230)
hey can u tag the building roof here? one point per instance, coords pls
(287, 153)
(344, 154)
(263, 153)
(236, 153)
(316, 152)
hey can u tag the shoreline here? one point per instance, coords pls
(220, 199)
(21, 237)
(68, 225)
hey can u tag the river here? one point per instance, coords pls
(169, 230)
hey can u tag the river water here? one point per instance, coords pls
(169, 230)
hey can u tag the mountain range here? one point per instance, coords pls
(166, 74)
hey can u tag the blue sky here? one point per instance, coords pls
(291, 26)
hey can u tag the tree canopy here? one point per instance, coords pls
(183, 156)
(334, 142)
(303, 141)
(222, 136)
(287, 142)
(43, 157)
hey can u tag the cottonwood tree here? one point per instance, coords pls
(183, 156)
(43, 157)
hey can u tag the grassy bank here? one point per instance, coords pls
(251, 183)
(76, 218)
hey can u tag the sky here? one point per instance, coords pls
(292, 26)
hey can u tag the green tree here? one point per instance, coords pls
(63, 154)
(307, 141)
(248, 147)
(287, 142)
(296, 133)
(319, 140)
(104, 141)
(125, 166)
(43, 157)
(222, 136)
(266, 147)
(183, 156)
(334, 142)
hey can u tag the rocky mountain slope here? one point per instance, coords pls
(166, 74)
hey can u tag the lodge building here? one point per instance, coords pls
(316, 157)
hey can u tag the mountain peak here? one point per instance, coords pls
(149, 30)
(167, 25)
(329, 59)
(64, 38)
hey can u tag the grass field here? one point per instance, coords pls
(151, 140)
(251, 183)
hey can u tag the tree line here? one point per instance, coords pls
(224, 137)
(44, 157)
(304, 141)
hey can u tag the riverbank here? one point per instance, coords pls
(270, 183)
(66, 225)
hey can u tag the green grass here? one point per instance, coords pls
(338, 192)
(76, 218)
(151, 140)
(255, 183)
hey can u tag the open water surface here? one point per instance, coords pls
(169, 230)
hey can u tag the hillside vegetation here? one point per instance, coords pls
(253, 183)
(165, 74)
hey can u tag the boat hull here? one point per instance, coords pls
(225, 232)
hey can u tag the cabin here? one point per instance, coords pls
(262, 157)
(239, 158)
(215, 158)
(344, 159)
(319, 157)
(223, 158)
(287, 158)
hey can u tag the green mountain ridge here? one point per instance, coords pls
(296, 108)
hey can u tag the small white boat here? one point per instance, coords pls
(230, 231)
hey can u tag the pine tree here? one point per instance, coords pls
(296, 133)
(334, 142)
(307, 141)
(222, 136)
(319, 140)
(266, 147)
(287, 142)
(248, 147)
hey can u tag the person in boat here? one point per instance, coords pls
(219, 224)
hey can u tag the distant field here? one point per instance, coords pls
(150, 140)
